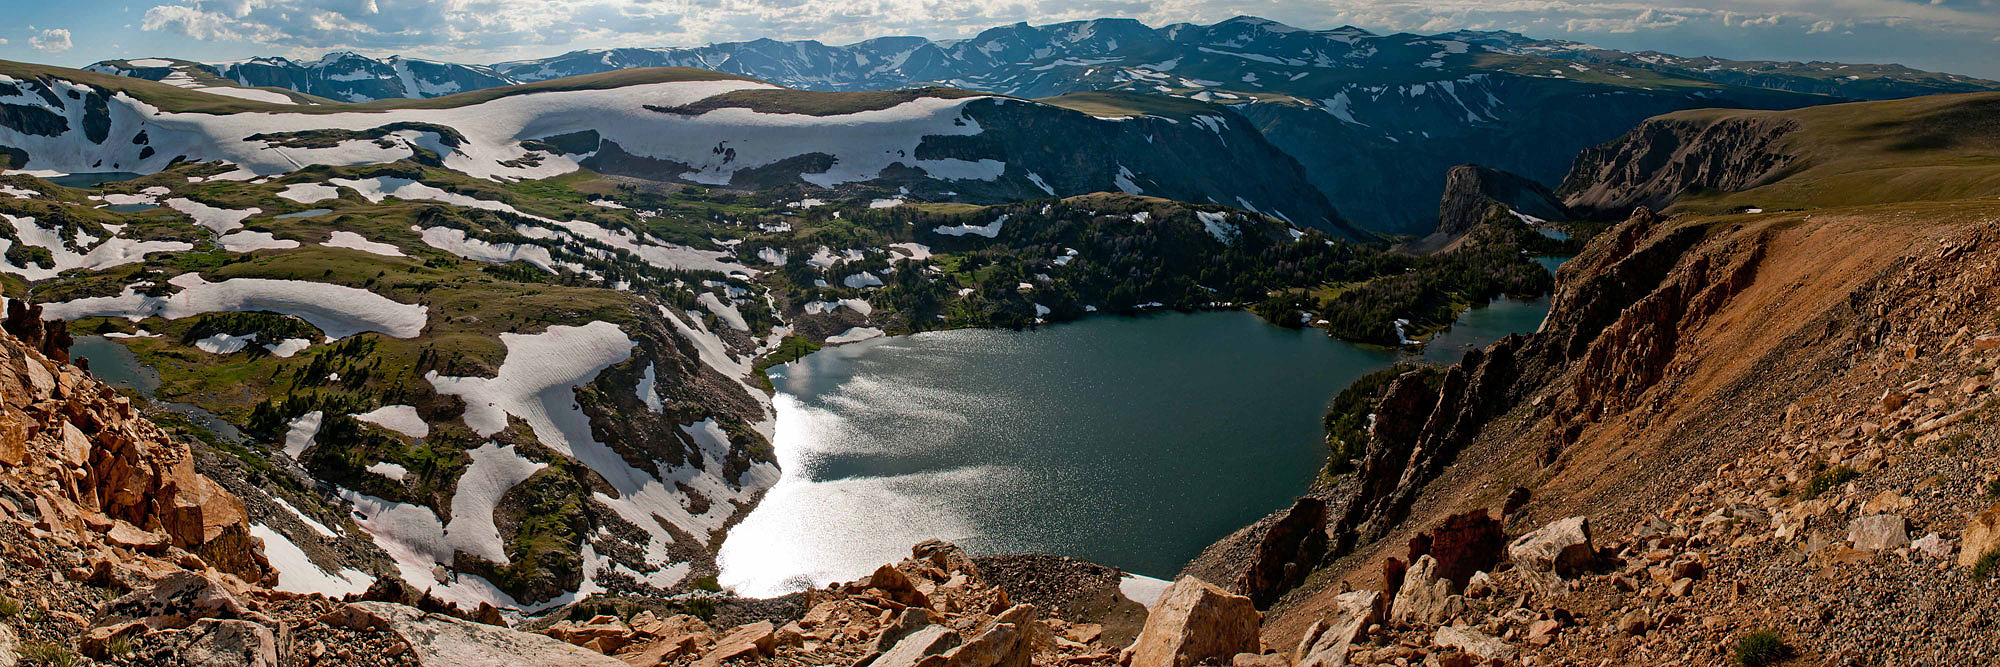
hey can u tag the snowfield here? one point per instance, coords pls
(338, 311)
(493, 472)
(309, 193)
(456, 242)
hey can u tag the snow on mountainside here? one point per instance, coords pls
(931, 144)
(1375, 120)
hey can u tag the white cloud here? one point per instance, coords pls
(53, 40)
(489, 30)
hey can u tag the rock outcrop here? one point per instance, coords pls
(96, 470)
(1472, 193)
(1666, 157)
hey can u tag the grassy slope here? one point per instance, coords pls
(1927, 148)
(1113, 104)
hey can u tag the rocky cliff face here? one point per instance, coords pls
(1666, 158)
(1731, 404)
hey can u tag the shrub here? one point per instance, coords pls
(1826, 480)
(1761, 648)
(1987, 566)
(9, 607)
(1993, 487)
(45, 654)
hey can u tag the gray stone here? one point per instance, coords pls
(446, 641)
(9, 647)
(230, 643)
(1476, 643)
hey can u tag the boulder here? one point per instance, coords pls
(1193, 622)
(746, 641)
(1981, 536)
(1635, 622)
(929, 641)
(946, 556)
(1424, 597)
(440, 640)
(1476, 643)
(1878, 532)
(229, 643)
(1328, 641)
(1562, 547)
(897, 586)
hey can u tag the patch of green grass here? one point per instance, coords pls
(813, 103)
(1826, 480)
(9, 607)
(45, 654)
(1761, 648)
(708, 583)
(1993, 487)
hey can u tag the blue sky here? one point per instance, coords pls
(1961, 36)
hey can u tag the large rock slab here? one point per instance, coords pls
(446, 641)
(1424, 596)
(929, 641)
(1879, 532)
(1562, 547)
(1195, 622)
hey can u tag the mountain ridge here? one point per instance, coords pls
(1372, 118)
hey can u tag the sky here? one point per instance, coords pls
(1959, 36)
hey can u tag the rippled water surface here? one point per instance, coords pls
(1133, 442)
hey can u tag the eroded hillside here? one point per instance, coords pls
(1776, 428)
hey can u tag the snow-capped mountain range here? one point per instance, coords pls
(1374, 119)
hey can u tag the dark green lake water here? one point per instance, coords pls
(1128, 441)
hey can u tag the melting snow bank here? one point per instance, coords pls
(536, 383)
(337, 310)
(300, 434)
(218, 220)
(353, 241)
(399, 418)
(298, 574)
(1143, 590)
(854, 334)
(455, 241)
(493, 472)
(988, 230)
